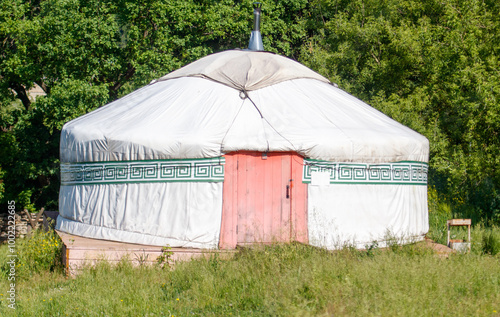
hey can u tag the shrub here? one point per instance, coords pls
(39, 252)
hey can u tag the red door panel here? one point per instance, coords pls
(257, 205)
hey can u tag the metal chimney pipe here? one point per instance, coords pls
(256, 38)
(256, 16)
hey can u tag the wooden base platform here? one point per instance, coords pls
(79, 251)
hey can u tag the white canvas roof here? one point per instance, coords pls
(246, 70)
(240, 100)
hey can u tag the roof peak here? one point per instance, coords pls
(246, 70)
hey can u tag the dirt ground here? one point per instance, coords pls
(440, 249)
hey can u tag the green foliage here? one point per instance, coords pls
(165, 258)
(440, 210)
(484, 240)
(37, 253)
(33, 149)
(84, 54)
(491, 243)
(430, 65)
(278, 280)
(24, 198)
(371, 249)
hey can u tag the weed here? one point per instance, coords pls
(165, 258)
(371, 249)
(142, 259)
(39, 252)
(491, 243)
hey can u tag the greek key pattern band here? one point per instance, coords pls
(186, 170)
(404, 173)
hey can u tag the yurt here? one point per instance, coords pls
(242, 147)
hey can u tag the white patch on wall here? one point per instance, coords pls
(320, 178)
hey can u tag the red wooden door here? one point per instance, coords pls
(264, 199)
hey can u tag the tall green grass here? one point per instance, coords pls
(278, 280)
(40, 252)
(484, 239)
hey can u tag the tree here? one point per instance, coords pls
(431, 65)
(86, 53)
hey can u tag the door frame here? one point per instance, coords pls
(243, 172)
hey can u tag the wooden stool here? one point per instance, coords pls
(458, 244)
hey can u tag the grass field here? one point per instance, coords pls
(279, 280)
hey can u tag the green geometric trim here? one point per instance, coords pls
(397, 173)
(151, 171)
